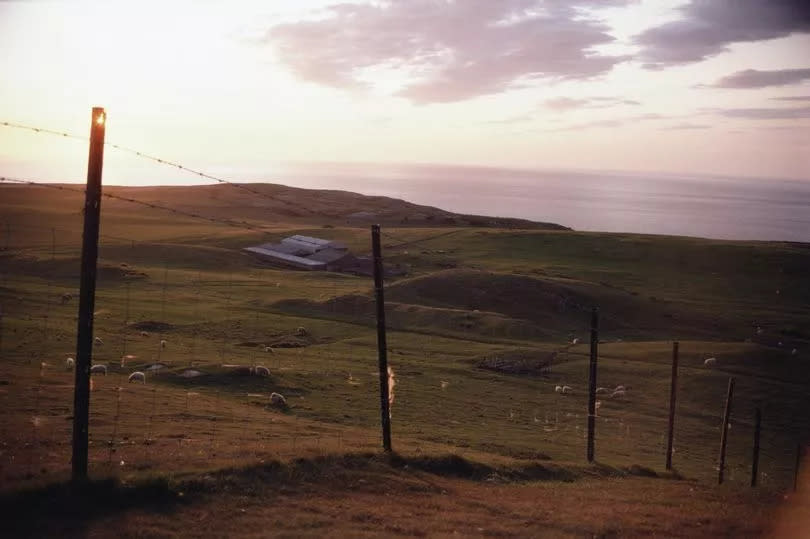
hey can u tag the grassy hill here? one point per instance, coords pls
(479, 336)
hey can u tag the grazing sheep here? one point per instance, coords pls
(144, 333)
(277, 399)
(710, 362)
(162, 344)
(137, 376)
(566, 390)
(98, 341)
(66, 298)
(99, 369)
(575, 341)
(558, 389)
(301, 332)
(619, 393)
(620, 388)
(603, 390)
(261, 370)
(269, 349)
(70, 363)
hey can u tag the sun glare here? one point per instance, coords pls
(100, 119)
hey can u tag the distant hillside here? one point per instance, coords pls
(263, 202)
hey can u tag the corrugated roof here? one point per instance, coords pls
(286, 257)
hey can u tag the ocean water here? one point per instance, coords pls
(683, 205)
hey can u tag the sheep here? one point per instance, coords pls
(710, 362)
(144, 333)
(445, 384)
(98, 341)
(566, 390)
(99, 369)
(603, 390)
(277, 399)
(301, 332)
(575, 340)
(558, 389)
(162, 344)
(620, 388)
(137, 376)
(261, 370)
(619, 393)
(269, 349)
(69, 364)
(66, 298)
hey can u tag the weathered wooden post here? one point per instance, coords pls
(592, 382)
(724, 431)
(673, 391)
(87, 295)
(796, 467)
(382, 350)
(755, 456)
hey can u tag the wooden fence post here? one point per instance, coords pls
(673, 390)
(724, 431)
(755, 456)
(382, 351)
(592, 382)
(87, 297)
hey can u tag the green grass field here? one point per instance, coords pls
(475, 296)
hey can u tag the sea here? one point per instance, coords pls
(670, 204)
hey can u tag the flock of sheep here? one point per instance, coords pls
(276, 399)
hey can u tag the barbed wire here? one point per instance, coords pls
(236, 224)
(160, 160)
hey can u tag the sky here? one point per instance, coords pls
(243, 89)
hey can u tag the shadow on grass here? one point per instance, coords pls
(66, 509)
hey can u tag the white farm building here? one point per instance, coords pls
(307, 253)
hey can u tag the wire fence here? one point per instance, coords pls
(198, 328)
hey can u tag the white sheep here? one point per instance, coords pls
(98, 341)
(445, 384)
(603, 390)
(710, 362)
(558, 389)
(144, 334)
(619, 393)
(620, 388)
(66, 297)
(99, 369)
(163, 344)
(277, 399)
(269, 349)
(301, 331)
(70, 363)
(566, 390)
(575, 341)
(261, 370)
(137, 376)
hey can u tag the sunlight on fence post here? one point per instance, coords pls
(87, 296)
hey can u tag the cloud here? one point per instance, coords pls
(708, 27)
(443, 51)
(684, 126)
(752, 78)
(792, 98)
(795, 113)
(567, 103)
(613, 122)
